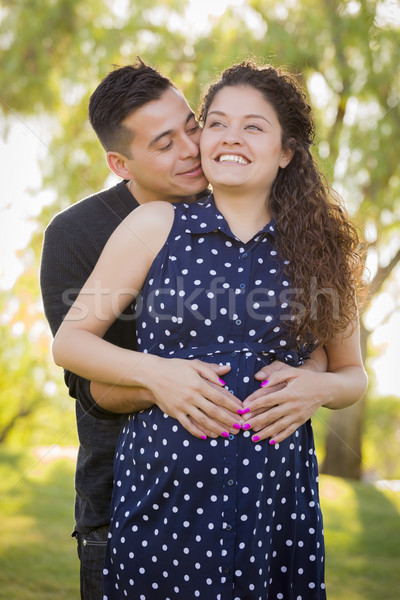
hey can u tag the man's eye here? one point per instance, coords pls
(193, 129)
(167, 147)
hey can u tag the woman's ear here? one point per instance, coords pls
(117, 162)
(287, 153)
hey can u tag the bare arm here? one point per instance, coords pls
(277, 414)
(180, 387)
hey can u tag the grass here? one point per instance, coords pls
(38, 560)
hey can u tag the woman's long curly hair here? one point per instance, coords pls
(315, 237)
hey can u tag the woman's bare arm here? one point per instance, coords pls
(181, 388)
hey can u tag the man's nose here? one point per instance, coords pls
(190, 146)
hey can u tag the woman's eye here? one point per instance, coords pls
(215, 124)
(254, 127)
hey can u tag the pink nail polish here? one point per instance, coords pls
(237, 426)
(264, 383)
(272, 442)
(246, 410)
(221, 381)
(225, 434)
(255, 438)
(246, 426)
(203, 437)
(240, 411)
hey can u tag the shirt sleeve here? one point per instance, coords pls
(65, 266)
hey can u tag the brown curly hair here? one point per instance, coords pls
(319, 244)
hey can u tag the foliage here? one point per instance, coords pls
(33, 403)
(55, 53)
(382, 438)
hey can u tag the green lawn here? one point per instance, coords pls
(38, 559)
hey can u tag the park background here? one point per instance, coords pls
(53, 53)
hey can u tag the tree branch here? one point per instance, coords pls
(380, 278)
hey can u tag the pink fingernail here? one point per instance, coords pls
(272, 442)
(264, 383)
(246, 410)
(255, 438)
(203, 437)
(240, 411)
(246, 426)
(225, 434)
(221, 381)
(237, 426)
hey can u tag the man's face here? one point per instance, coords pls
(164, 153)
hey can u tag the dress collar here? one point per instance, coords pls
(204, 217)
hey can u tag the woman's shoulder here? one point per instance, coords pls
(146, 228)
(152, 213)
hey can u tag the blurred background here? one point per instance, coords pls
(53, 53)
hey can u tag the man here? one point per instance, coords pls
(151, 138)
(154, 146)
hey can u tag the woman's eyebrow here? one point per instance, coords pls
(251, 116)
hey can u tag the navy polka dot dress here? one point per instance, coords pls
(218, 519)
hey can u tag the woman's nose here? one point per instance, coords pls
(231, 137)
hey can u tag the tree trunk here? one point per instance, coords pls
(6, 430)
(343, 456)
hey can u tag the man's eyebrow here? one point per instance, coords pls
(251, 116)
(190, 116)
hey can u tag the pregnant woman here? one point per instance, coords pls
(264, 269)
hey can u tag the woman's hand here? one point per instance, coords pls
(192, 392)
(291, 397)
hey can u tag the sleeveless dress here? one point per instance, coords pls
(218, 519)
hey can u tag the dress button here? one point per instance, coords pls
(244, 255)
(229, 527)
(231, 436)
(227, 570)
(238, 322)
(230, 482)
(242, 285)
(233, 354)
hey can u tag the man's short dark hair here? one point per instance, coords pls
(121, 92)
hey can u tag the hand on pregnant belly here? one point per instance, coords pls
(192, 392)
(285, 402)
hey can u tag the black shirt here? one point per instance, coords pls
(73, 242)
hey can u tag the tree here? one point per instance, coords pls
(56, 53)
(348, 49)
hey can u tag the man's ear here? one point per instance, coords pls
(117, 162)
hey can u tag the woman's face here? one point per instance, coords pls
(240, 145)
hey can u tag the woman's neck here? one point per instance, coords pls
(246, 214)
